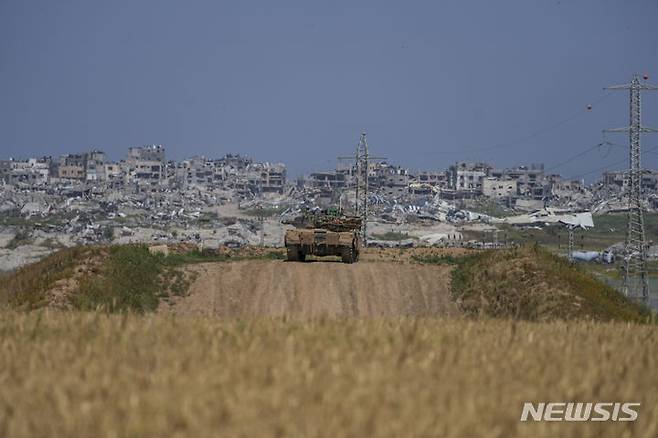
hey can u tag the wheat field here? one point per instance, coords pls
(94, 375)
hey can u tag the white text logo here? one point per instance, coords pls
(572, 411)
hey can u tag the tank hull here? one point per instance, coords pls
(320, 242)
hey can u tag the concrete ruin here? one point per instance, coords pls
(85, 198)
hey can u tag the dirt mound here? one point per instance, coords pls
(314, 289)
(530, 283)
(59, 294)
(51, 281)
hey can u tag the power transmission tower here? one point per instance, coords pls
(362, 169)
(361, 195)
(636, 281)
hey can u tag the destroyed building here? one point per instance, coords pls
(613, 180)
(616, 181)
(234, 161)
(530, 180)
(260, 178)
(145, 166)
(436, 178)
(382, 177)
(113, 175)
(196, 171)
(5, 167)
(34, 171)
(73, 166)
(87, 192)
(566, 188)
(95, 166)
(465, 178)
(154, 152)
(389, 179)
(499, 188)
(428, 182)
(331, 179)
(233, 172)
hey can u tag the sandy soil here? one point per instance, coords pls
(316, 288)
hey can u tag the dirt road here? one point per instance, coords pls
(321, 288)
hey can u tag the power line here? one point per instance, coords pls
(578, 155)
(533, 134)
(648, 151)
(548, 128)
(586, 151)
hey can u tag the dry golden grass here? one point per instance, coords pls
(93, 375)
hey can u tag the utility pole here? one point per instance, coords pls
(570, 228)
(636, 281)
(362, 168)
(261, 219)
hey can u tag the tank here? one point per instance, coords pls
(323, 234)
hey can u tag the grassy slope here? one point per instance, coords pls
(88, 374)
(128, 278)
(136, 280)
(27, 286)
(393, 235)
(530, 283)
(131, 279)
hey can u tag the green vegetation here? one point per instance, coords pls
(393, 235)
(131, 279)
(134, 279)
(489, 207)
(611, 228)
(444, 259)
(117, 278)
(264, 212)
(530, 283)
(15, 219)
(210, 255)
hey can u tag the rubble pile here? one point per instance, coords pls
(84, 199)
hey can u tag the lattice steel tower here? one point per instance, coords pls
(362, 160)
(362, 169)
(636, 282)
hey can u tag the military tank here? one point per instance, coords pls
(324, 233)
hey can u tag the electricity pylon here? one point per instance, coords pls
(362, 169)
(636, 281)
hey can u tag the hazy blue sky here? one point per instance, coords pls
(430, 81)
